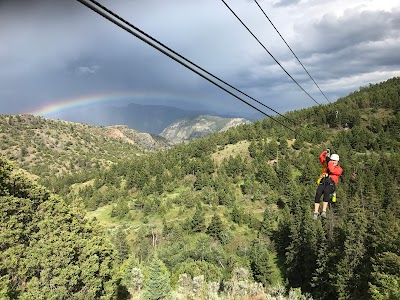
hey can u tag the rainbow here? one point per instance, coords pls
(63, 105)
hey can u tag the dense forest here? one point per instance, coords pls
(227, 216)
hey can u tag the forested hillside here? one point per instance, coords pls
(49, 148)
(229, 216)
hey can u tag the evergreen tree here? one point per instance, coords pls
(217, 229)
(249, 184)
(301, 252)
(352, 257)
(267, 174)
(157, 282)
(386, 278)
(269, 222)
(47, 250)
(202, 180)
(320, 280)
(270, 150)
(283, 146)
(253, 149)
(198, 222)
(121, 245)
(120, 209)
(259, 262)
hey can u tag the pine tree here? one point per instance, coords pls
(198, 222)
(157, 282)
(260, 262)
(215, 228)
(386, 277)
(121, 245)
(355, 230)
(269, 222)
(48, 250)
(301, 252)
(267, 174)
(320, 279)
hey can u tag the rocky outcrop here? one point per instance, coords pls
(191, 128)
(145, 141)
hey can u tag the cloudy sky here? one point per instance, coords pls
(58, 51)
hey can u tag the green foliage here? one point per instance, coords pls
(233, 166)
(386, 277)
(217, 230)
(266, 174)
(50, 148)
(260, 263)
(157, 281)
(121, 245)
(198, 223)
(302, 248)
(46, 249)
(200, 268)
(120, 209)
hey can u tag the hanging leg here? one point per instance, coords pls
(318, 194)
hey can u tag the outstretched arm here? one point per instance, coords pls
(323, 157)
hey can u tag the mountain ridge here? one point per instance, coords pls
(43, 145)
(54, 137)
(187, 129)
(146, 118)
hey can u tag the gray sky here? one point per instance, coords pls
(57, 51)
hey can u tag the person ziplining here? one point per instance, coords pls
(327, 181)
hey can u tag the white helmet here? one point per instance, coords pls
(335, 157)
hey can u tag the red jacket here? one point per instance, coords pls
(333, 171)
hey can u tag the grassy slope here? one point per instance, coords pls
(47, 147)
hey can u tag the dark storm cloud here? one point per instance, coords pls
(333, 33)
(57, 49)
(39, 40)
(351, 44)
(69, 50)
(358, 59)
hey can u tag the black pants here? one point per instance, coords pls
(326, 188)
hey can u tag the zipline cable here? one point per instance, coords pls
(108, 17)
(291, 50)
(184, 58)
(269, 52)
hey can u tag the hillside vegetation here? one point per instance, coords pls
(49, 148)
(229, 216)
(48, 250)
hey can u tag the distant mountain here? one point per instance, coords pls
(152, 119)
(192, 128)
(143, 118)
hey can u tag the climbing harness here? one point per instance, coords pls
(325, 180)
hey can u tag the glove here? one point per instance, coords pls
(328, 151)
